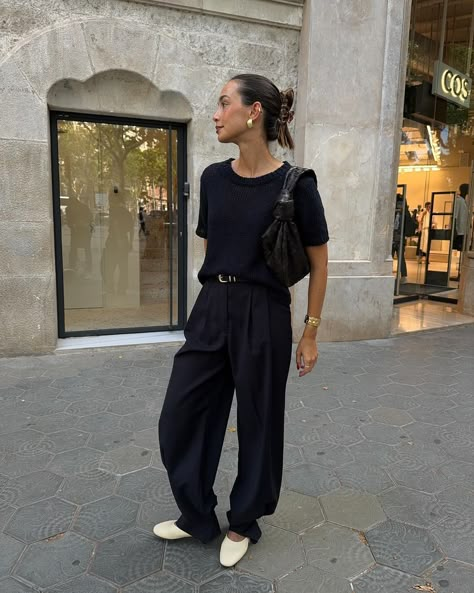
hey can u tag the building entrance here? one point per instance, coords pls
(120, 224)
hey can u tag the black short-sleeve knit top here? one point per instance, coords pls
(234, 213)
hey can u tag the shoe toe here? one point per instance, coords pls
(232, 552)
(169, 530)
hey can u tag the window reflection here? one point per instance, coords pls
(118, 198)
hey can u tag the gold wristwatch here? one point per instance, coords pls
(313, 321)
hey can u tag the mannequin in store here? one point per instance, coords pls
(424, 229)
(460, 221)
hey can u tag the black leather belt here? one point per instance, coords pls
(226, 279)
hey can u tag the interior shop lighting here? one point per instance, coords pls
(435, 146)
(414, 169)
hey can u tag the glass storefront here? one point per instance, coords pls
(120, 224)
(436, 150)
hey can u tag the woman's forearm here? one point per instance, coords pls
(317, 285)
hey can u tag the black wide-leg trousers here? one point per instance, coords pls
(238, 337)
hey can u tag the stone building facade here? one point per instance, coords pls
(167, 60)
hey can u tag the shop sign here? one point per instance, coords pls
(452, 85)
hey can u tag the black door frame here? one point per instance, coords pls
(180, 129)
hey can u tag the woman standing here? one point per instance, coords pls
(239, 332)
(424, 229)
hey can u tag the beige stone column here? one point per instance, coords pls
(348, 121)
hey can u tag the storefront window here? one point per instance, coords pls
(437, 148)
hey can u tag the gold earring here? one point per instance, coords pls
(250, 123)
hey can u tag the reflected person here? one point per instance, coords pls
(118, 244)
(79, 220)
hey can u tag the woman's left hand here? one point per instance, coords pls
(306, 355)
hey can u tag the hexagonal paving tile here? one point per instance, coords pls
(350, 416)
(128, 557)
(296, 512)
(139, 421)
(411, 506)
(10, 550)
(381, 455)
(126, 459)
(86, 407)
(84, 584)
(41, 520)
(277, 553)
(147, 438)
(363, 477)
(192, 560)
(386, 580)
(87, 487)
(48, 407)
(160, 582)
(382, 433)
(105, 517)
(102, 421)
(14, 464)
(418, 476)
(15, 422)
(21, 441)
(451, 576)
(11, 585)
(310, 479)
(327, 454)
(390, 416)
(31, 488)
(146, 484)
(352, 509)
(235, 582)
(49, 563)
(457, 501)
(6, 511)
(339, 434)
(128, 405)
(292, 455)
(52, 422)
(75, 461)
(337, 550)
(107, 441)
(403, 546)
(313, 580)
(308, 416)
(300, 434)
(64, 440)
(459, 472)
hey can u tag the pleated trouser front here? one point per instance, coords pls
(238, 337)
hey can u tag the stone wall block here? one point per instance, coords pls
(25, 197)
(256, 9)
(199, 84)
(357, 308)
(118, 45)
(24, 115)
(54, 55)
(344, 163)
(27, 315)
(263, 59)
(26, 248)
(347, 89)
(212, 49)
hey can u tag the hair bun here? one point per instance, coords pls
(287, 98)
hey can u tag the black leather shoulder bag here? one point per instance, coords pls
(282, 246)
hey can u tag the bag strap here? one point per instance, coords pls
(294, 175)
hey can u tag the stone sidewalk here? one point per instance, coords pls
(378, 485)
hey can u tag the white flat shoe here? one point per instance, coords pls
(169, 530)
(232, 552)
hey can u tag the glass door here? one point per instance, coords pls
(120, 224)
(439, 241)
